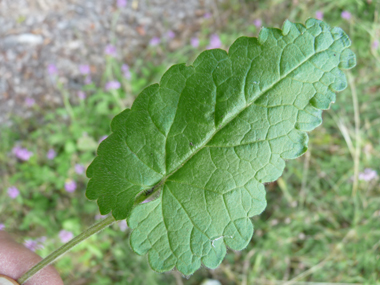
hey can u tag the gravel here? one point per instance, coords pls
(37, 33)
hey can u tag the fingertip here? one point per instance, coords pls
(16, 260)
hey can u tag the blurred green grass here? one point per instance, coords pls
(313, 230)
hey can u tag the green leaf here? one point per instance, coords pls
(209, 135)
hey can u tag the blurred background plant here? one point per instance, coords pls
(322, 223)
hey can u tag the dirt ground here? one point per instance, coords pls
(37, 33)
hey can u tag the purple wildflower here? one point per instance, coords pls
(87, 80)
(207, 15)
(155, 41)
(368, 174)
(214, 42)
(375, 44)
(123, 225)
(22, 153)
(81, 95)
(113, 85)
(16, 149)
(2, 226)
(52, 69)
(70, 186)
(51, 154)
(194, 42)
(13, 192)
(31, 244)
(170, 34)
(125, 67)
(84, 69)
(102, 139)
(79, 169)
(121, 3)
(319, 15)
(346, 15)
(110, 50)
(29, 101)
(257, 23)
(126, 72)
(65, 236)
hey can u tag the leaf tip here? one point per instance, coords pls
(311, 22)
(286, 27)
(263, 35)
(347, 59)
(339, 34)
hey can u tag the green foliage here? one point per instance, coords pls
(209, 135)
(311, 214)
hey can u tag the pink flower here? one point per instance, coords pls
(51, 154)
(194, 42)
(13, 192)
(22, 153)
(257, 23)
(33, 245)
(102, 139)
(367, 175)
(155, 41)
(2, 226)
(319, 15)
(65, 236)
(346, 15)
(113, 85)
(375, 44)
(79, 169)
(52, 69)
(29, 101)
(123, 225)
(70, 186)
(81, 95)
(84, 69)
(125, 67)
(126, 72)
(170, 34)
(110, 50)
(121, 3)
(207, 15)
(214, 42)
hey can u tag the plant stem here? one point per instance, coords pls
(116, 95)
(357, 134)
(66, 247)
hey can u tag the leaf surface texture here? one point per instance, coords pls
(210, 134)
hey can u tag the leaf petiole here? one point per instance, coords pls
(66, 247)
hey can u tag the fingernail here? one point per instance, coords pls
(5, 280)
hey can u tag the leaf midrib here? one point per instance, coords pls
(162, 181)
